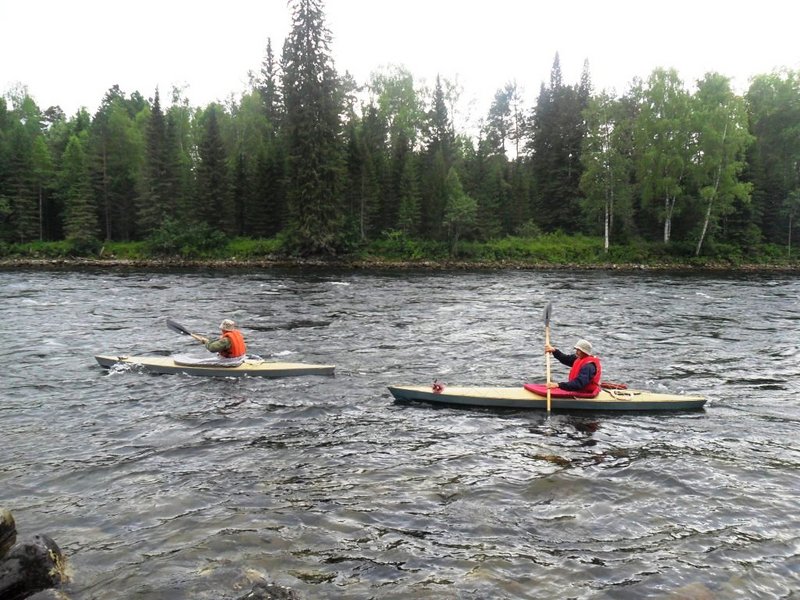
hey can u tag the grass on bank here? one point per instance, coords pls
(549, 249)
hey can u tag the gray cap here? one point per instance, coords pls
(227, 325)
(584, 347)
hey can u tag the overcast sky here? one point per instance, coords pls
(69, 52)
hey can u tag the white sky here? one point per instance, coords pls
(69, 52)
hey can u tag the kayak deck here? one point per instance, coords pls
(519, 397)
(249, 368)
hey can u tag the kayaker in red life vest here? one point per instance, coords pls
(230, 343)
(584, 376)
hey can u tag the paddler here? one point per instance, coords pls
(230, 343)
(584, 376)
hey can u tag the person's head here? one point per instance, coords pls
(227, 325)
(582, 347)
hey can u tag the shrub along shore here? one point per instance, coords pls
(554, 251)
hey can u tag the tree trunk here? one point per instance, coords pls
(710, 205)
(41, 214)
(705, 228)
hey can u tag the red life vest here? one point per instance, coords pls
(238, 347)
(594, 385)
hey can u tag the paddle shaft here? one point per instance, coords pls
(547, 354)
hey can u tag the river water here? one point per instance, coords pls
(177, 487)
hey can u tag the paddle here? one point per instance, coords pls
(181, 329)
(547, 310)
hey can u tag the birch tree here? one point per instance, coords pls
(663, 144)
(721, 141)
(607, 165)
(790, 210)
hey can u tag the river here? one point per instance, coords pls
(177, 487)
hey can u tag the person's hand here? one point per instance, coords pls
(202, 340)
(552, 385)
(548, 348)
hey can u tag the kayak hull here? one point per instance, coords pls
(249, 368)
(519, 397)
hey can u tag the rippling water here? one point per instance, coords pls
(191, 488)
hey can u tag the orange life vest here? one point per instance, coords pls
(594, 385)
(238, 347)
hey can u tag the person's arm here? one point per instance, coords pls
(564, 359)
(582, 380)
(222, 344)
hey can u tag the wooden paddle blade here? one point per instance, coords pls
(548, 308)
(178, 327)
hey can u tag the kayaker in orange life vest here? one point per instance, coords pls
(230, 343)
(584, 376)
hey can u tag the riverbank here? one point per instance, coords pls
(378, 264)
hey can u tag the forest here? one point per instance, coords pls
(314, 163)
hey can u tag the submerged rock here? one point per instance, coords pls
(270, 591)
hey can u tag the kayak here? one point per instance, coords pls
(520, 397)
(215, 367)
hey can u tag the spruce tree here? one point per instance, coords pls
(115, 150)
(314, 155)
(80, 219)
(437, 160)
(557, 133)
(213, 189)
(22, 187)
(268, 85)
(43, 173)
(153, 199)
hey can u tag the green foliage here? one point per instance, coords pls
(460, 209)
(83, 246)
(244, 248)
(658, 164)
(396, 245)
(529, 229)
(173, 239)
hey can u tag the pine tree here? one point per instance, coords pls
(22, 187)
(80, 219)
(153, 203)
(43, 173)
(212, 175)
(268, 85)
(270, 190)
(557, 130)
(115, 150)
(181, 148)
(437, 160)
(314, 156)
(402, 190)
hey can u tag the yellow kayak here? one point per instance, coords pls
(214, 367)
(519, 397)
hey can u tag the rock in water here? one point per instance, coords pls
(30, 567)
(8, 531)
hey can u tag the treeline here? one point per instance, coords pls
(310, 157)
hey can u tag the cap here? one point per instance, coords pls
(228, 325)
(584, 347)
